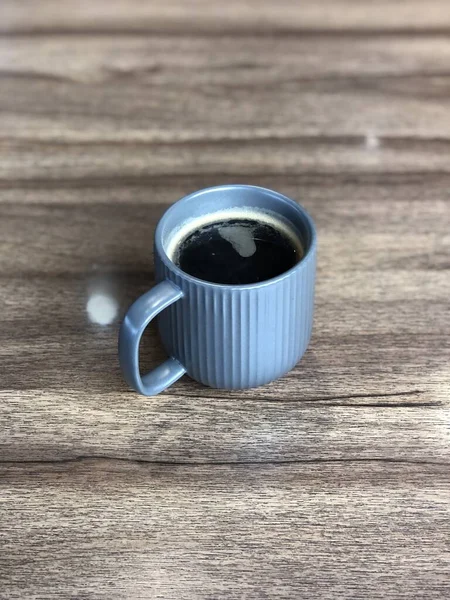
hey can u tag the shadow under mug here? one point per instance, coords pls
(224, 336)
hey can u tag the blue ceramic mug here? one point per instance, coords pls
(224, 336)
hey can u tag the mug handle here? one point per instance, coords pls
(136, 320)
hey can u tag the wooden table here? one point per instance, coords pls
(331, 483)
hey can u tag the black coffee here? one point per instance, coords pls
(237, 251)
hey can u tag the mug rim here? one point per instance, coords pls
(169, 263)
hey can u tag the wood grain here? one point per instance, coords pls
(105, 529)
(173, 88)
(332, 482)
(194, 16)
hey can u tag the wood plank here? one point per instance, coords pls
(108, 529)
(112, 163)
(181, 59)
(215, 17)
(373, 94)
(53, 425)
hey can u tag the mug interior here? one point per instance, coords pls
(208, 202)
